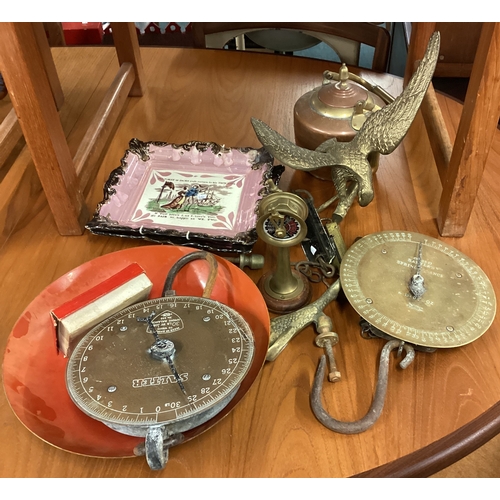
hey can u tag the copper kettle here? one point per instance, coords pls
(338, 108)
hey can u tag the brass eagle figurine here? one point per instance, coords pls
(382, 131)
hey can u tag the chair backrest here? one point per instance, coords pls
(343, 38)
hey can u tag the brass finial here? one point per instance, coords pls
(343, 76)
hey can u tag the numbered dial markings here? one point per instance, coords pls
(113, 377)
(456, 306)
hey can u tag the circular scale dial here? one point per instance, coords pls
(173, 361)
(417, 289)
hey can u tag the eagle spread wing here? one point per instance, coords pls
(386, 128)
(287, 152)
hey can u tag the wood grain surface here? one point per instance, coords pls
(211, 95)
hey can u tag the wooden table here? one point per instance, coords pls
(442, 407)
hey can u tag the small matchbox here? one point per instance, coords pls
(73, 319)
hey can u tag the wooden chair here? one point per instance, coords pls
(461, 164)
(10, 129)
(344, 38)
(30, 75)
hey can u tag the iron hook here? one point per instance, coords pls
(377, 406)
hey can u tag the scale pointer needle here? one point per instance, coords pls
(416, 285)
(164, 349)
(176, 374)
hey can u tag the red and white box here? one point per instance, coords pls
(78, 316)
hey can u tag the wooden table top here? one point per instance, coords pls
(441, 407)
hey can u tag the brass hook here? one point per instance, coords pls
(377, 406)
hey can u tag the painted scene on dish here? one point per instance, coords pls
(190, 200)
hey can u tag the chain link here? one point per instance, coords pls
(316, 271)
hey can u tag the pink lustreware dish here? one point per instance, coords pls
(195, 194)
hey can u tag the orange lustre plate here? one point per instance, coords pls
(34, 372)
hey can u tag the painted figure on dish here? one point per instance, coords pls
(178, 201)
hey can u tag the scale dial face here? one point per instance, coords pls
(456, 307)
(115, 376)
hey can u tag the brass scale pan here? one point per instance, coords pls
(457, 306)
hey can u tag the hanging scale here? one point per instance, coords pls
(162, 367)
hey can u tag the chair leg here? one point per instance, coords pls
(55, 34)
(48, 62)
(477, 127)
(127, 50)
(24, 72)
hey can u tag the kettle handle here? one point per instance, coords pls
(329, 76)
